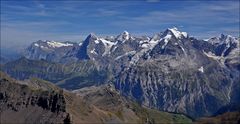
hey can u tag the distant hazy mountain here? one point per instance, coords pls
(52, 51)
(8, 54)
(170, 71)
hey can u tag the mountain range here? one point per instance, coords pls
(170, 71)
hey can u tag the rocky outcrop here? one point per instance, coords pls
(28, 104)
(38, 101)
(107, 98)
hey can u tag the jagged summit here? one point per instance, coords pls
(223, 39)
(124, 45)
(228, 38)
(176, 33)
(125, 32)
(124, 36)
(92, 35)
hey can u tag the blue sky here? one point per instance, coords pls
(28, 21)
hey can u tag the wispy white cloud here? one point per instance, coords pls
(208, 16)
(73, 20)
(37, 25)
(106, 12)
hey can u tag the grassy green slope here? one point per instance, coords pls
(159, 117)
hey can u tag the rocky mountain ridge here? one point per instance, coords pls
(125, 44)
(38, 101)
(170, 71)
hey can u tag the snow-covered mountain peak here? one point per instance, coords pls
(110, 38)
(56, 44)
(124, 36)
(125, 32)
(228, 38)
(223, 39)
(51, 44)
(174, 28)
(92, 35)
(178, 34)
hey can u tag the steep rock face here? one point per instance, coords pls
(177, 76)
(112, 52)
(224, 44)
(30, 105)
(225, 49)
(186, 91)
(82, 53)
